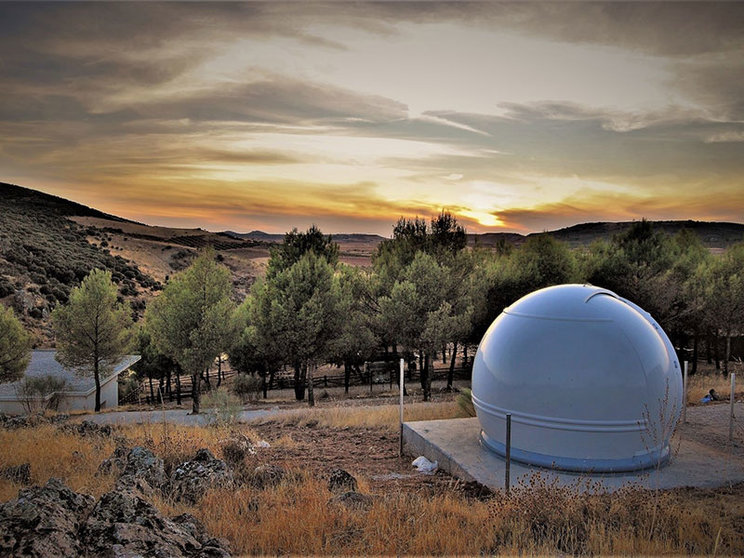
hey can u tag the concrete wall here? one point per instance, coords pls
(109, 399)
(12, 408)
(109, 394)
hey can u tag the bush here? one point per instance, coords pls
(222, 406)
(33, 392)
(247, 387)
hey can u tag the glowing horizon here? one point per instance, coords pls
(514, 117)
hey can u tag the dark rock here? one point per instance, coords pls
(192, 479)
(43, 521)
(124, 524)
(265, 476)
(352, 500)
(145, 465)
(115, 464)
(13, 423)
(59, 418)
(341, 481)
(88, 428)
(20, 474)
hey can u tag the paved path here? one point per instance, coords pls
(172, 416)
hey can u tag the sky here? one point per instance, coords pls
(513, 116)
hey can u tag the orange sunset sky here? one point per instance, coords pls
(514, 116)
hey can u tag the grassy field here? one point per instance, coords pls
(420, 515)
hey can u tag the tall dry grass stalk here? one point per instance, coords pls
(297, 518)
(53, 453)
(700, 384)
(378, 416)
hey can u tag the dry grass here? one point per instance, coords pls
(386, 416)
(296, 517)
(53, 453)
(700, 384)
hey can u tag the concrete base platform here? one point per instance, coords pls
(455, 445)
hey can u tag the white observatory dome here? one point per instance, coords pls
(592, 382)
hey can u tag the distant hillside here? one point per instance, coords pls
(340, 238)
(716, 236)
(43, 254)
(27, 199)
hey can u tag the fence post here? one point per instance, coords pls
(731, 407)
(507, 473)
(684, 396)
(402, 381)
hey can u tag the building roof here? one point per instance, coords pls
(43, 363)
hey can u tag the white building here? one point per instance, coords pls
(78, 393)
(590, 380)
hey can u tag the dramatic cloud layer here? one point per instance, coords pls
(520, 116)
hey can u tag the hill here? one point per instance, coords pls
(716, 236)
(48, 244)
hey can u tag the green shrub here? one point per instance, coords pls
(222, 406)
(247, 386)
(33, 392)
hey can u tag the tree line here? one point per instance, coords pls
(426, 292)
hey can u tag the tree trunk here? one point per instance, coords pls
(161, 386)
(168, 386)
(465, 356)
(728, 353)
(368, 373)
(444, 354)
(451, 372)
(195, 393)
(152, 391)
(219, 371)
(310, 393)
(299, 383)
(206, 379)
(716, 352)
(97, 377)
(178, 387)
(426, 373)
(694, 352)
(272, 374)
(347, 376)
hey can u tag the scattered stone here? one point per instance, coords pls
(192, 479)
(143, 471)
(341, 481)
(263, 444)
(265, 476)
(115, 464)
(13, 423)
(88, 428)
(43, 522)
(20, 474)
(124, 524)
(352, 500)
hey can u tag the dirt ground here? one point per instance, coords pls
(368, 453)
(371, 453)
